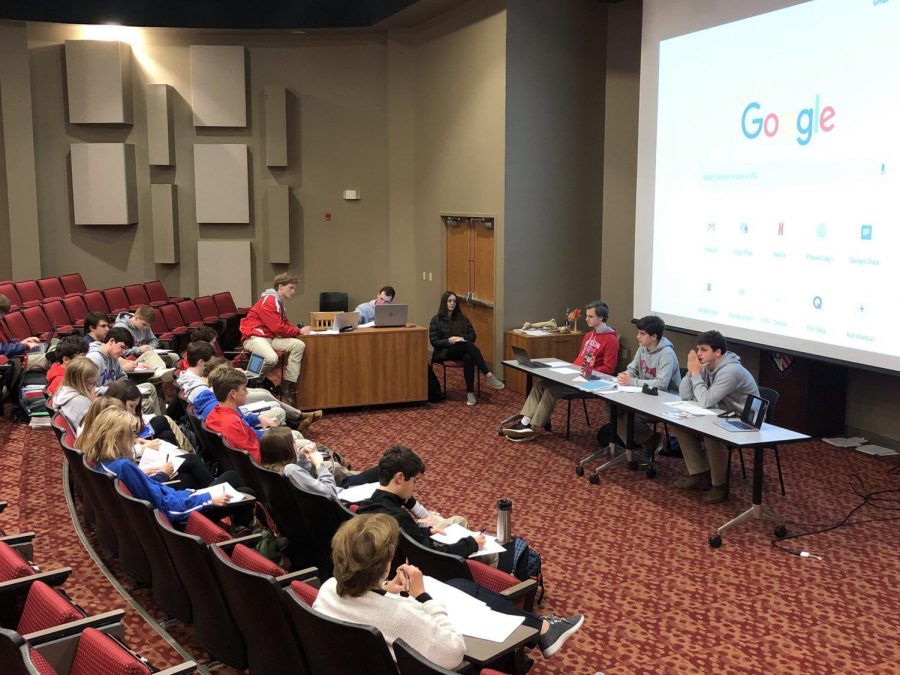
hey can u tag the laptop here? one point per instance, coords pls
(523, 359)
(345, 321)
(751, 419)
(390, 316)
(254, 366)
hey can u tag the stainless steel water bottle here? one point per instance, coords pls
(504, 521)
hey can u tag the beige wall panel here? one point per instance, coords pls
(98, 76)
(278, 223)
(165, 223)
(218, 86)
(103, 184)
(221, 183)
(160, 132)
(225, 266)
(276, 126)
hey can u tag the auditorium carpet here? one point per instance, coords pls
(630, 554)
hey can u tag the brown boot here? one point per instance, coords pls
(289, 392)
(697, 481)
(716, 495)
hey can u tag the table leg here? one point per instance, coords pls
(756, 511)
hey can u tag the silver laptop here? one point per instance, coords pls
(254, 366)
(523, 359)
(751, 419)
(345, 321)
(391, 316)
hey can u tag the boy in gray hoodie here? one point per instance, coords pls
(715, 379)
(654, 364)
(145, 342)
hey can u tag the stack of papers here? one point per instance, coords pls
(691, 408)
(851, 442)
(454, 533)
(152, 457)
(470, 616)
(223, 488)
(357, 493)
(876, 450)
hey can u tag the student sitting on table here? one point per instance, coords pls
(599, 355)
(266, 328)
(715, 379)
(110, 448)
(655, 365)
(77, 391)
(453, 339)
(66, 350)
(367, 309)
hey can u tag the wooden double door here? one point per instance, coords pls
(470, 273)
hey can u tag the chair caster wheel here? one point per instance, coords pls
(594, 479)
(633, 464)
(548, 426)
(780, 531)
(715, 541)
(651, 472)
(579, 470)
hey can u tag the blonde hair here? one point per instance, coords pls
(78, 372)
(110, 437)
(98, 405)
(145, 313)
(362, 549)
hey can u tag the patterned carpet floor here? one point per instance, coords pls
(631, 554)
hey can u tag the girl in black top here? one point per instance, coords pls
(453, 339)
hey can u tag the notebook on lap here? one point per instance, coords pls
(523, 359)
(751, 419)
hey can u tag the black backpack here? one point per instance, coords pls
(32, 395)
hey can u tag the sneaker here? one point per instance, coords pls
(697, 481)
(494, 381)
(561, 629)
(716, 495)
(470, 399)
(519, 432)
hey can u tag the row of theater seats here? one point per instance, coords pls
(59, 315)
(42, 631)
(204, 577)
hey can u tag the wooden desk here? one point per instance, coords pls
(562, 346)
(366, 366)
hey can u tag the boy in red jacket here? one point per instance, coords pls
(599, 354)
(266, 328)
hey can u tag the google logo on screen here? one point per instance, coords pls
(809, 121)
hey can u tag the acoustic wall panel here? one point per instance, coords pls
(276, 126)
(103, 184)
(98, 76)
(160, 131)
(278, 221)
(221, 183)
(165, 223)
(225, 266)
(218, 86)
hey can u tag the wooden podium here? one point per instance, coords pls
(563, 346)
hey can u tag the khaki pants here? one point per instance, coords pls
(278, 411)
(712, 456)
(542, 399)
(642, 432)
(292, 348)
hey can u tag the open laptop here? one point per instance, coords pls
(345, 321)
(391, 316)
(523, 359)
(751, 419)
(254, 366)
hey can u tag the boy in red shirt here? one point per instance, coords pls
(599, 354)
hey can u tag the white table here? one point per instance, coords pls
(654, 406)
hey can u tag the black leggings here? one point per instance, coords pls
(471, 358)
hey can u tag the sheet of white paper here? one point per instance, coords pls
(357, 493)
(454, 533)
(470, 616)
(691, 408)
(564, 370)
(256, 407)
(876, 450)
(367, 324)
(233, 494)
(558, 364)
(151, 457)
(851, 442)
(628, 389)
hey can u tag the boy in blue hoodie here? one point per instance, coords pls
(715, 379)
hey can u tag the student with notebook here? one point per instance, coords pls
(715, 379)
(144, 339)
(366, 310)
(453, 339)
(599, 355)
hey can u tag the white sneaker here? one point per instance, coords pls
(470, 399)
(494, 381)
